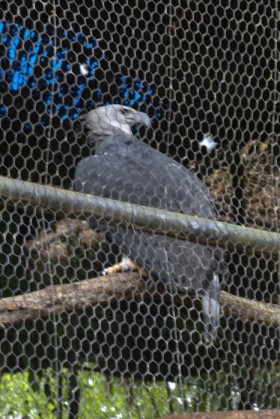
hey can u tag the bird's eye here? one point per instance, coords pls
(124, 111)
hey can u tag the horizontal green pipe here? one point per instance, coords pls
(68, 203)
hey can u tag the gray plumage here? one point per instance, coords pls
(126, 169)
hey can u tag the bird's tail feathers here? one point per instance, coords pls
(211, 309)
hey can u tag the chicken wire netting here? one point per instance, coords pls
(204, 72)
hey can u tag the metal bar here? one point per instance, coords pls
(24, 194)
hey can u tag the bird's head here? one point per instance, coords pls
(107, 120)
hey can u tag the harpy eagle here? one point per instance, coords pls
(126, 169)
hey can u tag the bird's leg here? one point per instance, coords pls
(125, 264)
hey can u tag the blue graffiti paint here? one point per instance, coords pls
(32, 61)
(3, 110)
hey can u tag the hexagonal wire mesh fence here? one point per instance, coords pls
(133, 344)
